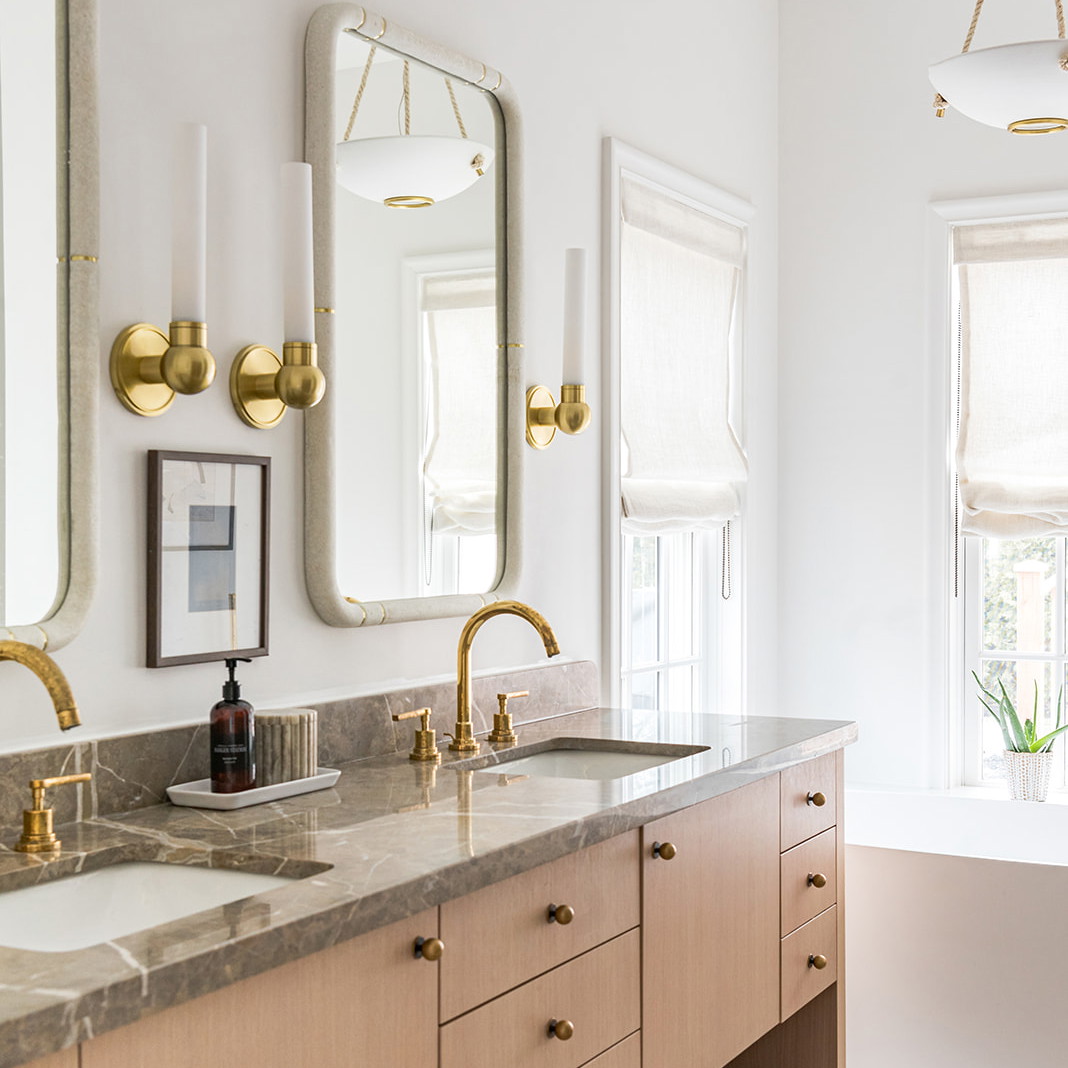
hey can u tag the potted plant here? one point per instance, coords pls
(1028, 755)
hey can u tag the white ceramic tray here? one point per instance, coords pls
(198, 794)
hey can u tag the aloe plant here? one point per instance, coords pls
(1020, 737)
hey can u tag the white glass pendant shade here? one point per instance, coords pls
(411, 171)
(1019, 87)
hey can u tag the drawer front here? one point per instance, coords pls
(801, 980)
(501, 936)
(599, 993)
(628, 1054)
(801, 870)
(802, 814)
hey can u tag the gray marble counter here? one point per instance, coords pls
(390, 839)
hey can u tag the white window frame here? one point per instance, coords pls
(960, 740)
(722, 621)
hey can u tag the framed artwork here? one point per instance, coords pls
(208, 548)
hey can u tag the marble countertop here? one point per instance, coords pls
(390, 839)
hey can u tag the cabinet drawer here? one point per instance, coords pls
(501, 936)
(628, 1054)
(801, 980)
(802, 787)
(599, 993)
(801, 869)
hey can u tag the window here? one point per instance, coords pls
(1011, 465)
(677, 469)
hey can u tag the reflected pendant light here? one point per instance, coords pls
(409, 170)
(1018, 87)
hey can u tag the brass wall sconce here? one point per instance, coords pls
(572, 415)
(148, 367)
(262, 387)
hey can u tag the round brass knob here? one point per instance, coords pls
(429, 948)
(817, 961)
(562, 914)
(817, 879)
(664, 850)
(561, 1029)
(817, 799)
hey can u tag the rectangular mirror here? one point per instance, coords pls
(412, 485)
(48, 263)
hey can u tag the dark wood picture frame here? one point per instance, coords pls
(215, 550)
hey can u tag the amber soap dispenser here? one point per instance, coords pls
(233, 739)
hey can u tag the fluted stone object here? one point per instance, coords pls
(287, 746)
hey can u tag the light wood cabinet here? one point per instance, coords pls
(365, 1003)
(710, 929)
(67, 1058)
(627, 1054)
(502, 936)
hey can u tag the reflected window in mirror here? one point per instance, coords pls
(29, 342)
(418, 363)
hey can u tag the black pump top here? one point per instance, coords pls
(232, 688)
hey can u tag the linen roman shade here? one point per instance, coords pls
(680, 274)
(460, 457)
(1012, 448)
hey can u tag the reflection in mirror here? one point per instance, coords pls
(417, 357)
(30, 542)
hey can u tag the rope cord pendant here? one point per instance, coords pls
(359, 91)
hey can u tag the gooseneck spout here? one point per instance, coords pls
(47, 670)
(463, 741)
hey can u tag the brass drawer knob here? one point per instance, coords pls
(562, 914)
(817, 961)
(664, 850)
(818, 799)
(429, 948)
(817, 879)
(561, 1029)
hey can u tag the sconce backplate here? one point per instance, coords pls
(541, 409)
(132, 347)
(252, 387)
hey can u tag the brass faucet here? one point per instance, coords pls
(47, 670)
(463, 741)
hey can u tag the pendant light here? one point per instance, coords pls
(1018, 87)
(409, 170)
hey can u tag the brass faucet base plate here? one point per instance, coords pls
(465, 746)
(42, 843)
(134, 345)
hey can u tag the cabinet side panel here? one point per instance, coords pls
(710, 929)
(362, 1004)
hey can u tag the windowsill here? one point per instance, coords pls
(966, 822)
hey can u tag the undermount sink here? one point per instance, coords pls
(99, 906)
(581, 758)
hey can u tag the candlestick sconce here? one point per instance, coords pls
(148, 367)
(572, 415)
(262, 387)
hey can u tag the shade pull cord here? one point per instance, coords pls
(359, 91)
(725, 563)
(940, 102)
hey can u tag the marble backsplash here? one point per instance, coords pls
(133, 771)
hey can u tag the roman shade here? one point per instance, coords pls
(460, 456)
(680, 274)
(1012, 448)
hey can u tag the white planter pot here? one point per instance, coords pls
(1028, 775)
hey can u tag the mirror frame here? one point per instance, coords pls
(320, 460)
(77, 253)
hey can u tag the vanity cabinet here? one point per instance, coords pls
(67, 1058)
(365, 1003)
(710, 928)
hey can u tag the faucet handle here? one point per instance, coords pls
(502, 733)
(425, 748)
(38, 835)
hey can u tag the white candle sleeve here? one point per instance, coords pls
(189, 237)
(574, 315)
(297, 266)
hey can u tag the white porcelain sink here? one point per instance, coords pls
(99, 906)
(566, 762)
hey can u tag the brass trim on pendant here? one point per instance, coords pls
(409, 201)
(1026, 126)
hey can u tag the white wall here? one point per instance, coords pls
(863, 566)
(693, 83)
